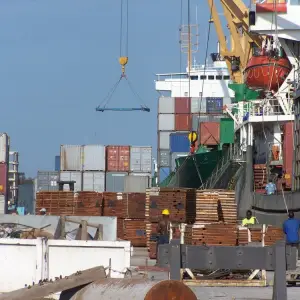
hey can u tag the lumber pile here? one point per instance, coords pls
(132, 230)
(216, 206)
(260, 176)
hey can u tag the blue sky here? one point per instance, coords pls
(59, 59)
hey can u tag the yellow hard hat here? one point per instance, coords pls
(165, 212)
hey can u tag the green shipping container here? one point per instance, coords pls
(227, 131)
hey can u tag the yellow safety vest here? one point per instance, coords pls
(250, 221)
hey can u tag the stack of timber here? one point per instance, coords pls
(260, 176)
(69, 203)
(129, 208)
(216, 206)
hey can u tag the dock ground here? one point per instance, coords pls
(140, 256)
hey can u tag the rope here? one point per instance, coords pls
(121, 28)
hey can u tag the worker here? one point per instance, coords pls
(291, 230)
(249, 220)
(270, 188)
(43, 211)
(163, 229)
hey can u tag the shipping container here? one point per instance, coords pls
(4, 148)
(141, 159)
(214, 105)
(136, 184)
(72, 176)
(182, 105)
(93, 158)
(227, 131)
(179, 142)
(164, 158)
(166, 105)
(3, 179)
(176, 155)
(209, 133)
(183, 122)
(196, 119)
(47, 181)
(2, 204)
(198, 105)
(71, 157)
(163, 173)
(288, 150)
(114, 181)
(57, 163)
(93, 181)
(166, 122)
(118, 158)
(164, 140)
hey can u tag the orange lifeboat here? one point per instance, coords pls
(266, 73)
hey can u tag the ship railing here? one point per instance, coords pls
(268, 1)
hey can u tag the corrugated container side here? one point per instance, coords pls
(209, 133)
(118, 158)
(47, 181)
(136, 184)
(3, 179)
(4, 148)
(174, 156)
(182, 105)
(179, 142)
(57, 163)
(166, 122)
(140, 159)
(93, 181)
(164, 158)
(227, 131)
(72, 176)
(2, 204)
(214, 105)
(164, 140)
(166, 105)
(182, 122)
(164, 173)
(288, 149)
(93, 158)
(71, 157)
(114, 181)
(198, 105)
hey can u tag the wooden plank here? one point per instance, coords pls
(37, 291)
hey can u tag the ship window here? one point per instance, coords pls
(211, 77)
(186, 94)
(203, 77)
(200, 94)
(219, 77)
(226, 77)
(194, 77)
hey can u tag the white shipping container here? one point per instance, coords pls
(166, 122)
(136, 184)
(141, 159)
(4, 147)
(93, 181)
(166, 105)
(2, 204)
(176, 155)
(71, 157)
(198, 106)
(164, 140)
(93, 158)
(72, 176)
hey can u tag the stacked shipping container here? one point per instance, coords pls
(176, 118)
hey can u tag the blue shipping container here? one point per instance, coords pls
(214, 105)
(179, 142)
(57, 163)
(164, 173)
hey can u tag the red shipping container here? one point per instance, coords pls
(182, 105)
(288, 153)
(3, 178)
(183, 122)
(118, 158)
(209, 133)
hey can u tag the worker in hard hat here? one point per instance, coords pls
(163, 229)
(249, 220)
(43, 211)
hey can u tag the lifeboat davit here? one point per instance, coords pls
(266, 73)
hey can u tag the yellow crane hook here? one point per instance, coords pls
(123, 60)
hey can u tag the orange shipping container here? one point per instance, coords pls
(118, 158)
(182, 122)
(209, 133)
